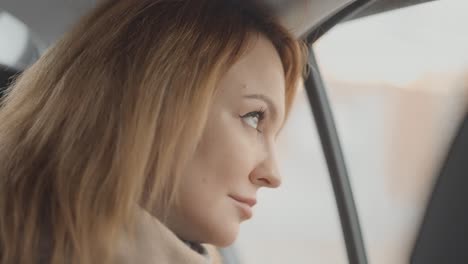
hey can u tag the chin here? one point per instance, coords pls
(225, 235)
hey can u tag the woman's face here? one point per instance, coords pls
(236, 155)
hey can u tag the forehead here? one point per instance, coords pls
(259, 70)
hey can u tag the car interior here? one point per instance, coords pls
(442, 232)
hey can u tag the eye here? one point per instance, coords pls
(254, 119)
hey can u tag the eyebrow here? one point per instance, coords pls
(267, 100)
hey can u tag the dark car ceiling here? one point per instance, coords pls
(48, 19)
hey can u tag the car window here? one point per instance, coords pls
(17, 48)
(398, 86)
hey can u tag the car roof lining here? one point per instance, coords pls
(49, 20)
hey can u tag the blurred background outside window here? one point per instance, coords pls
(18, 48)
(398, 86)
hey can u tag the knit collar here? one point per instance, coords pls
(155, 243)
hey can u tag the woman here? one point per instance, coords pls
(145, 132)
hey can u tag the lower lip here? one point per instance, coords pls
(244, 208)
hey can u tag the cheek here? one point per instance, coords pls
(230, 147)
(221, 166)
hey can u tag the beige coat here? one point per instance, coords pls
(154, 243)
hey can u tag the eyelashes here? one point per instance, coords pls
(254, 118)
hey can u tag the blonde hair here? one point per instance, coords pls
(108, 116)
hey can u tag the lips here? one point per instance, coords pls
(248, 201)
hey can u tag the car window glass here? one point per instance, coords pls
(17, 49)
(398, 88)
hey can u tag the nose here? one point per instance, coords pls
(266, 173)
